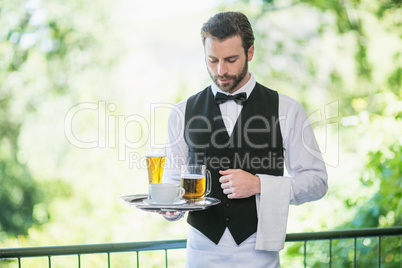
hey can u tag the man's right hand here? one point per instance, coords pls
(172, 215)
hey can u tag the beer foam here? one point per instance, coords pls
(155, 155)
(193, 176)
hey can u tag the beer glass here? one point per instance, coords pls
(156, 156)
(196, 181)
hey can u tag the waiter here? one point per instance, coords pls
(246, 134)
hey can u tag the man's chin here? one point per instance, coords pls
(226, 87)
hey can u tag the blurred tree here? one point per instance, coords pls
(385, 164)
(350, 51)
(19, 192)
(317, 51)
(44, 56)
(376, 100)
(383, 208)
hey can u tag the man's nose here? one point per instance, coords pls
(222, 68)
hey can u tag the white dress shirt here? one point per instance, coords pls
(307, 180)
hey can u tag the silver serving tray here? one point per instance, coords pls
(136, 200)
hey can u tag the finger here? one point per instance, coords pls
(232, 196)
(227, 171)
(169, 212)
(226, 185)
(224, 179)
(227, 191)
(166, 212)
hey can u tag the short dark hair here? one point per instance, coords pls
(228, 24)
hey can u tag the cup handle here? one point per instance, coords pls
(209, 183)
(181, 193)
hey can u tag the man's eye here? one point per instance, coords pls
(232, 61)
(213, 61)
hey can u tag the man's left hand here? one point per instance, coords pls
(237, 183)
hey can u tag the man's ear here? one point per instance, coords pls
(250, 53)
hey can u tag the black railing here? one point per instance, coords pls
(379, 234)
(79, 250)
(354, 235)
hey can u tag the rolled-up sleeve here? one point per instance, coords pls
(303, 159)
(176, 147)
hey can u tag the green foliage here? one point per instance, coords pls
(315, 51)
(383, 209)
(383, 171)
(18, 195)
(18, 192)
(352, 53)
(40, 53)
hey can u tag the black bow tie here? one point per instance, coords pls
(238, 98)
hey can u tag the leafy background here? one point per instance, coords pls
(79, 81)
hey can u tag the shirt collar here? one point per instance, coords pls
(247, 88)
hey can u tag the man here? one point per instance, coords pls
(244, 140)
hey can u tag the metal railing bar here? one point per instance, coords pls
(137, 247)
(108, 260)
(330, 253)
(340, 234)
(379, 252)
(138, 259)
(355, 253)
(90, 248)
(49, 261)
(166, 258)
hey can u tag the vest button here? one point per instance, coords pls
(227, 205)
(227, 219)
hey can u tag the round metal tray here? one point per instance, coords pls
(136, 200)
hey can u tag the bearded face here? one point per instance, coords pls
(227, 63)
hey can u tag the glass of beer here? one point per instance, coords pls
(196, 181)
(156, 156)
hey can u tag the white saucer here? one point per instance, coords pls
(151, 202)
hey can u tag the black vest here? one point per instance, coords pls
(255, 146)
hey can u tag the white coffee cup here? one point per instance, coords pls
(165, 193)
